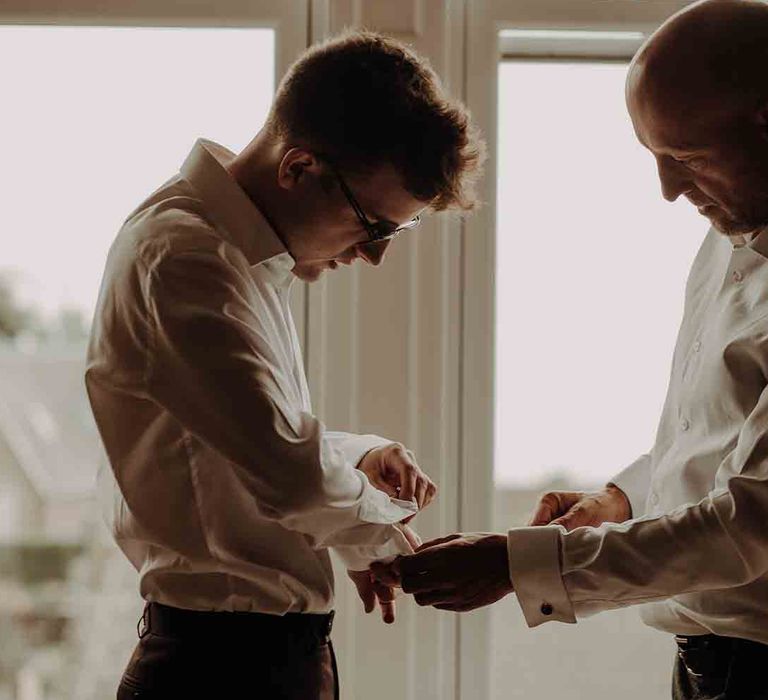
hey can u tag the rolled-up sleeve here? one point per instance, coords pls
(211, 365)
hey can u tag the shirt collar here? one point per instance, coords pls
(759, 241)
(231, 209)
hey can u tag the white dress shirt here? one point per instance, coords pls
(224, 490)
(695, 552)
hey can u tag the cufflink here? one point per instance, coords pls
(546, 609)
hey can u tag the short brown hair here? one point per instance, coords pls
(365, 99)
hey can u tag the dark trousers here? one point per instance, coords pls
(185, 654)
(720, 668)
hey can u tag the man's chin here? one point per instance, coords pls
(309, 273)
(731, 227)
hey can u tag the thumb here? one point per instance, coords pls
(364, 585)
(542, 516)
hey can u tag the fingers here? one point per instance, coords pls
(431, 492)
(578, 516)
(388, 574)
(553, 505)
(413, 539)
(386, 597)
(371, 591)
(543, 513)
(437, 541)
(364, 585)
(403, 468)
(421, 491)
(413, 482)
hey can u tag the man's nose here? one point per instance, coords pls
(373, 253)
(674, 178)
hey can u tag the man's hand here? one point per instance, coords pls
(393, 470)
(459, 572)
(371, 590)
(573, 509)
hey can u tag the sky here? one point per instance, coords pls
(591, 260)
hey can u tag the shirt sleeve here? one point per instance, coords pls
(720, 542)
(355, 556)
(634, 481)
(211, 365)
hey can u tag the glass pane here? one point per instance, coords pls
(591, 268)
(94, 120)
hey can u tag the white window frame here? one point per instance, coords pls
(485, 20)
(289, 19)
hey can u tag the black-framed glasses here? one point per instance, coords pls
(376, 230)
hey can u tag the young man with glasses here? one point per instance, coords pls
(225, 491)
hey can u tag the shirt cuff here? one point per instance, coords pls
(355, 447)
(634, 481)
(359, 557)
(534, 569)
(377, 508)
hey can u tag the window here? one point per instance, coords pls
(95, 119)
(591, 266)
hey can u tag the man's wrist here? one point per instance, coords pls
(500, 546)
(622, 501)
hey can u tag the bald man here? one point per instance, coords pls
(683, 531)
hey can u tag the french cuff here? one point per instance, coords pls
(377, 507)
(534, 569)
(635, 481)
(359, 557)
(355, 447)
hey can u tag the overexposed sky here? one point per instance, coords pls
(93, 120)
(591, 268)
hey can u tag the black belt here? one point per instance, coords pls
(300, 628)
(707, 652)
(703, 641)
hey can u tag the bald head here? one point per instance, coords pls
(713, 52)
(697, 92)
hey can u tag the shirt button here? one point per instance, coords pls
(697, 346)
(684, 424)
(654, 498)
(546, 609)
(737, 276)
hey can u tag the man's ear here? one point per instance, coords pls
(296, 164)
